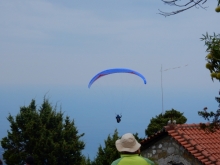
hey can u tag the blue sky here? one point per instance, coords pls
(56, 47)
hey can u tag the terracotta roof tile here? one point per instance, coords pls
(184, 142)
(205, 153)
(193, 151)
(206, 160)
(192, 142)
(198, 147)
(197, 154)
(181, 140)
(188, 146)
(202, 145)
(201, 158)
(212, 158)
(173, 133)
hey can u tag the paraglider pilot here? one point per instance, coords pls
(118, 118)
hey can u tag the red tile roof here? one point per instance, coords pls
(204, 146)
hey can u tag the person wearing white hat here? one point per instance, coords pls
(130, 152)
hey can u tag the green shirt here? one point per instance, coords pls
(132, 159)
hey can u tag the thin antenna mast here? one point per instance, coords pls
(162, 79)
(162, 86)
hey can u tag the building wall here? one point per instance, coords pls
(167, 152)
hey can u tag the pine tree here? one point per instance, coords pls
(86, 161)
(45, 134)
(108, 153)
(156, 124)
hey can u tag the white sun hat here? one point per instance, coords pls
(127, 143)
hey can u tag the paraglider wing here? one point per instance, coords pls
(115, 70)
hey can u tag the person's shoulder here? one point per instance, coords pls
(148, 161)
(116, 161)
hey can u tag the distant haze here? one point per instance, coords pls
(54, 48)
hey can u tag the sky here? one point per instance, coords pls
(54, 48)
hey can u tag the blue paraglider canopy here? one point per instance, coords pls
(115, 70)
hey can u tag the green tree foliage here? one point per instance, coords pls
(108, 153)
(161, 120)
(138, 138)
(45, 134)
(211, 117)
(213, 57)
(86, 161)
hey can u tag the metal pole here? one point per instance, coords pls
(162, 79)
(162, 87)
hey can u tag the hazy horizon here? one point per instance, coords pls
(54, 48)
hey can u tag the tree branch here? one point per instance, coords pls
(185, 6)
